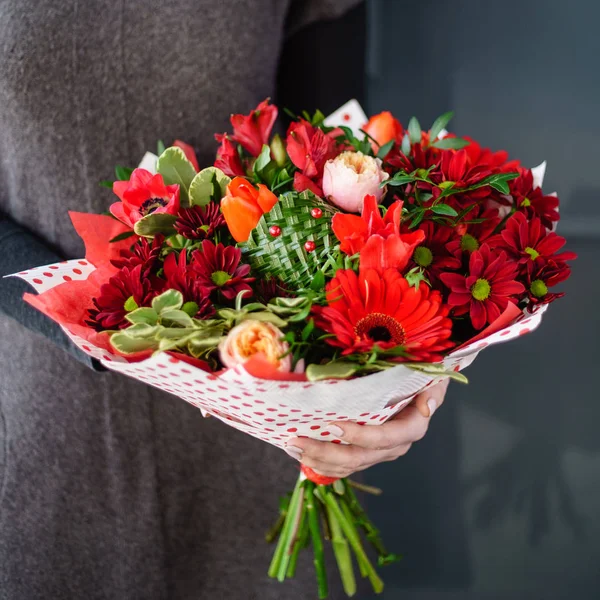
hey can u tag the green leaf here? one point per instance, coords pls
(160, 147)
(169, 300)
(208, 185)
(122, 236)
(436, 370)
(263, 159)
(265, 317)
(385, 149)
(420, 214)
(439, 124)
(318, 282)
(443, 209)
(123, 173)
(179, 317)
(144, 314)
(449, 143)
(308, 329)
(129, 345)
(405, 145)
(414, 130)
(333, 370)
(107, 184)
(398, 179)
(154, 223)
(175, 168)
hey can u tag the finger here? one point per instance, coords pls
(431, 399)
(407, 427)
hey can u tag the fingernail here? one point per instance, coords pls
(432, 405)
(294, 452)
(335, 430)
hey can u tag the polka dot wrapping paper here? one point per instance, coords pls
(274, 411)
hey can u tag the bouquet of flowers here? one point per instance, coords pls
(276, 289)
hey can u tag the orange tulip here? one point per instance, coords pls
(383, 128)
(244, 205)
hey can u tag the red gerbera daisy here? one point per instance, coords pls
(487, 289)
(124, 292)
(432, 254)
(532, 201)
(199, 222)
(371, 309)
(548, 275)
(218, 268)
(530, 243)
(181, 277)
(144, 252)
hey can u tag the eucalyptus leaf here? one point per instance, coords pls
(331, 370)
(175, 168)
(449, 143)
(208, 185)
(414, 130)
(405, 147)
(385, 149)
(439, 124)
(154, 223)
(169, 300)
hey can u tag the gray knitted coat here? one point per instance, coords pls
(108, 488)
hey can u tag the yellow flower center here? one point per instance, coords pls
(538, 288)
(423, 256)
(468, 243)
(533, 253)
(481, 290)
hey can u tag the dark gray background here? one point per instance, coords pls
(501, 500)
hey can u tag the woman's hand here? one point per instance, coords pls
(369, 445)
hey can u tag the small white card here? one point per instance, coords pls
(350, 115)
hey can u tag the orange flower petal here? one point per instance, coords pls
(242, 216)
(265, 198)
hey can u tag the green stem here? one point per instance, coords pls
(341, 550)
(291, 532)
(368, 489)
(298, 540)
(283, 538)
(351, 518)
(354, 539)
(276, 528)
(317, 541)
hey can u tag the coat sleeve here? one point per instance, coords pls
(304, 12)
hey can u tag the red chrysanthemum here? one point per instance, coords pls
(529, 243)
(142, 195)
(217, 267)
(268, 288)
(180, 276)
(487, 289)
(484, 156)
(551, 273)
(470, 236)
(371, 309)
(143, 252)
(123, 292)
(433, 254)
(228, 158)
(199, 222)
(532, 201)
(252, 131)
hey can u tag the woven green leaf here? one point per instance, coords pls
(285, 256)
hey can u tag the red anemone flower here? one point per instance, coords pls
(253, 131)
(530, 243)
(144, 252)
(382, 309)
(217, 267)
(228, 158)
(199, 222)
(487, 289)
(181, 277)
(123, 292)
(532, 201)
(142, 195)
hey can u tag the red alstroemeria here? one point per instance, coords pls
(529, 243)
(550, 274)
(302, 183)
(142, 195)
(228, 158)
(433, 254)
(122, 293)
(180, 276)
(217, 267)
(382, 309)
(309, 148)
(487, 289)
(532, 201)
(143, 252)
(253, 131)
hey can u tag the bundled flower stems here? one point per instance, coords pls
(278, 288)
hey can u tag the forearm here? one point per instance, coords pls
(21, 250)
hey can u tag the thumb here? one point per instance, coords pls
(428, 401)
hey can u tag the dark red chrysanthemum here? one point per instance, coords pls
(143, 252)
(484, 156)
(532, 201)
(180, 276)
(124, 292)
(228, 158)
(470, 236)
(487, 289)
(217, 267)
(551, 273)
(432, 254)
(529, 243)
(382, 309)
(268, 288)
(199, 222)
